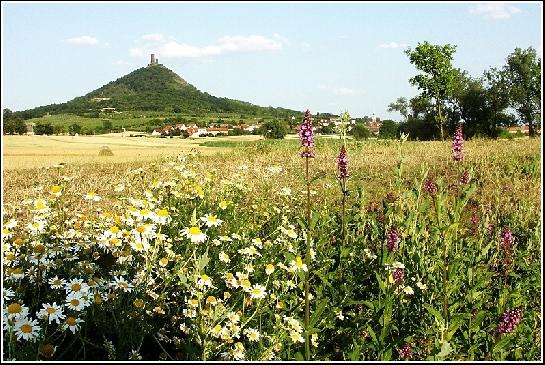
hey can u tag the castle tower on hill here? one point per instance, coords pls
(154, 61)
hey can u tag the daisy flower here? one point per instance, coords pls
(7, 293)
(269, 269)
(72, 324)
(223, 204)
(16, 310)
(211, 220)
(76, 286)
(76, 301)
(162, 216)
(224, 257)
(36, 227)
(57, 283)
(121, 283)
(252, 334)
(204, 280)
(119, 188)
(92, 196)
(194, 234)
(290, 232)
(52, 312)
(55, 190)
(12, 223)
(296, 337)
(298, 264)
(140, 245)
(40, 206)
(26, 329)
(258, 291)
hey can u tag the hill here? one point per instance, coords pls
(153, 88)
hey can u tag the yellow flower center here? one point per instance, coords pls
(71, 321)
(56, 189)
(140, 229)
(76, 287)
(139, 303)
(39, 248)
(256, 291)
(162, 213)
(57, 282)
(26, 328)
(163, 262)
(14, 308)
(17, 271)
(114, 229)
(50, 310)
(48, 350)
(123, 285)
(212, 219)
(298, 262)
(74, 302)
(139, 245)
(144, 212)
(10, 256)
(194, 231)
(40, 205)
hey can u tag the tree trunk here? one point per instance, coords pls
(440, 119)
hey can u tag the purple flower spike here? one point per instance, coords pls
(509, 321)
(430, 186)
(392, 240)
(506, 238)
(398, 275)
(405, 352)
(306, 136)
(464, 179)
(458, 145)
(342, 163)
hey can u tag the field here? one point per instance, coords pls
(203, 250)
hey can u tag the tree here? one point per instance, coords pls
(523, 76)
(274, 129)
(43, 128)
(436, 81)
(401, 106)
(497, 97)
(74, 129)
(360, 132)
(106, 125)
(388, 129)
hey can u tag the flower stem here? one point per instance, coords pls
(307, 274)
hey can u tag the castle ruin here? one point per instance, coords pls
(154, 61)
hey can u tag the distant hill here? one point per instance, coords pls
(152, 88)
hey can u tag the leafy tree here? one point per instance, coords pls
(388, 129)
(274, 129)
(400, 105)
(59, 129)
(497, 98)
(523, 76)
(106, 125)
(327, 129)
(74, 129)
(360, 132)
(437, 79)
(43, 128)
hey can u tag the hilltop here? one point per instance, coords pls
(154, 88)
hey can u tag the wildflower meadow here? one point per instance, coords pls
(310, 249)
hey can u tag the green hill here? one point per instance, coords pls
(152, 89)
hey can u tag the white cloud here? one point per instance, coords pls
(226, 44)
(340, 91)
(83, 40)
(393, 45)
(494, 11)
(154, 37)
(123, 63)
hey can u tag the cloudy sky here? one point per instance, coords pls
(327, 57)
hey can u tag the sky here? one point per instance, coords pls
(322, 56)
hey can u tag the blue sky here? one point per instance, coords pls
(327, 57)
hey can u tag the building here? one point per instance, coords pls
(153, 61)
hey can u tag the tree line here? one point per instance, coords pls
(498, 98)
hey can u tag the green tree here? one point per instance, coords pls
(274, 129)
(360, 132)
(497, 98)
(43, 128)
(437, 79)
(106, 125)
(74, 129)
(388, 129)
(400, 105)
(523, 75)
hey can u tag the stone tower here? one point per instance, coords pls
(153, 61)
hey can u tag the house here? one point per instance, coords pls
(216, 131)
(107, 110)
(374, 127)
(524, 129)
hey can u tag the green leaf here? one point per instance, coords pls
(317, 312)
(373, 336)
(299, 356)
(435, 313)
(194, 218)
(501, 344)
(203, 261)
(445, 350)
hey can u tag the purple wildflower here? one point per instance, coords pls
(392, 240)
(398, 275)
(490, 228)
(342, 163)
(405, 352)
(464, 179)
(458, 145)
(474, 219)
(430, 186)
(506, 238)
(306, 136)
(509, 321)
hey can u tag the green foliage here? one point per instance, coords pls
(359, 131)
(43, 128)
(274, 129)
(74, 129)
(388, 129)
(13, 123)
(400, 105)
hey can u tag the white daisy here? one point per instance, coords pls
(224, 257)
(16, 310)
(194, 234)
(122, 284)
(258, 291)
(211, 220)
(26, 329)
(92, 196)
(52, 312)
(162, 216)
(72, 324)
(76, 301)
(57, 283)
(76, 286)
(252, 334)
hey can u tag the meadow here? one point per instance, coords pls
(206, 250)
